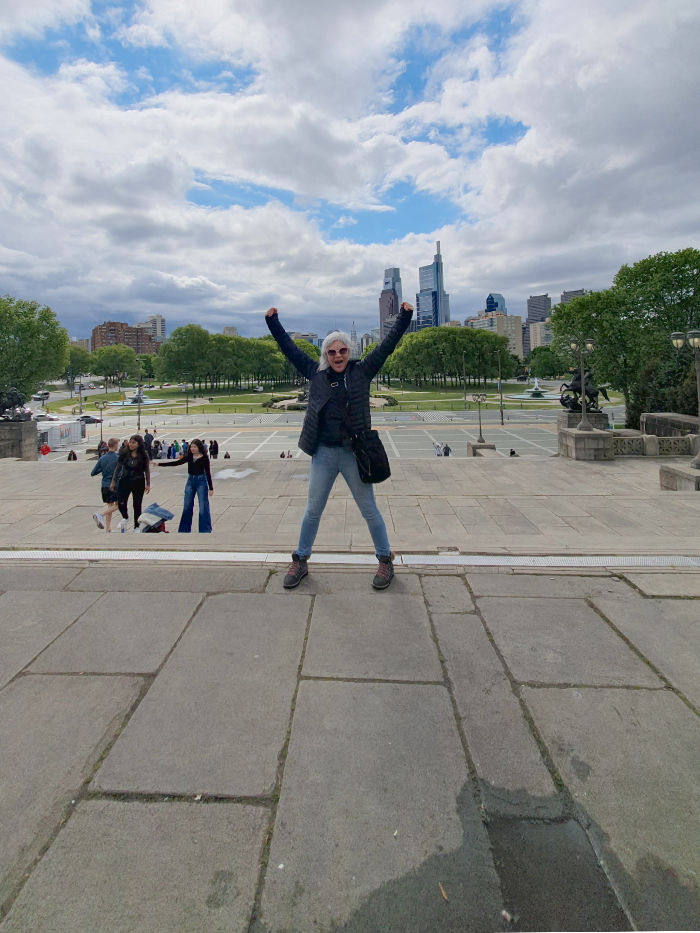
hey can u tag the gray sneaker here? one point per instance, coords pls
(296, 572)
(385, 573)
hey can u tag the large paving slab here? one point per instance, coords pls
(372, 635)
(52, 731)
(29, 622)
(121, 633)
(169, 578)
(546, 585)
(631, 759)
(667, 632)
(376, 812)
(667, 584)
(561, 641)
(447, 594)
(551, 877)
(514, 779)
(216, 717)
(146, 868)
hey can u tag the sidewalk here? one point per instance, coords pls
(186, 746)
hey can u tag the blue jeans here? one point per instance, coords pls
(326, 463)
(196, 485)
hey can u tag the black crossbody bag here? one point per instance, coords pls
(372, 461)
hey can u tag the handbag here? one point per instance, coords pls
(372, 461)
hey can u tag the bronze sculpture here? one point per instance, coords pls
(571, 393)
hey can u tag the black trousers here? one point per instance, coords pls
(135, 487)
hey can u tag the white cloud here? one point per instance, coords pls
(94, 209)
(31, 19)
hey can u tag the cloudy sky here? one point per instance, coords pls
(205, 165)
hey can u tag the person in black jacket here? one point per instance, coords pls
(338, 408)
(198, 484)
(132, 476)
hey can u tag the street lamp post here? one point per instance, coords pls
(693, 340)
(479, 398)
(583, 347)
(464, 378)
(101, 405)
(500, 386)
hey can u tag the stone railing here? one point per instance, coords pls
(648, 445)
(628, 446)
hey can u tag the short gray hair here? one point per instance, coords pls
(337, 336)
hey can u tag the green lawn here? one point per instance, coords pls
(409, 398)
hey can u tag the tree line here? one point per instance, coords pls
(630, 324)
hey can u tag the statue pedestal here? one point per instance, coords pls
(585, 445)
(18, 440)
(570, 419)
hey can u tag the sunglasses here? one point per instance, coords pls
(341, 352)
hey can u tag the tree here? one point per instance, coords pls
(79, 362)
(184, 355)
(631, 324)
(146, 361)
(33, 345)
(546, 363)
(114, 361)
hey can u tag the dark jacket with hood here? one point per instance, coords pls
(358, 375)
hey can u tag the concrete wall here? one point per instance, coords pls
(18, 439)
(668, 424)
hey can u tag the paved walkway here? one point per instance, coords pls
(186, 746)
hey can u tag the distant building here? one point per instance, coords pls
(432, 301)
(230, 331)
(567, 296)
(365, 341)
(496, 303)
(374, 335)
(111, 332)
(539, 308)
(540, 334)
(83, 343)
(505, 325)
(452, 324)
(155, 326)
(310, 338)
(389, 300)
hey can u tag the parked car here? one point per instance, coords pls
(89, 419)
(150, 386)
(40, 396)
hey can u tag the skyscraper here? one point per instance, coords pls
(539, 308)
(389, 300)
(432, 302)
(576, 293)
(496, 303)
(155, 326)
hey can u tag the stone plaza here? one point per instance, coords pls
(507, 738)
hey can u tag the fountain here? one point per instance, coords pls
(534, 392)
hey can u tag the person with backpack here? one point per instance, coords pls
(106, 465)
(337, 409)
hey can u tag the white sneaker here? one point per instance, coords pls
(98, 519)
(123, 525)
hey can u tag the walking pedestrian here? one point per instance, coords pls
(338, 407)
(214, 449)
(198, 484)
(72, 455)
(106, 465)
(132, 477)
(446, 450)
(148, 443)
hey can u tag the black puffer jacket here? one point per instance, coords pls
(358, 376)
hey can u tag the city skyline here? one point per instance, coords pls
(207, 166)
